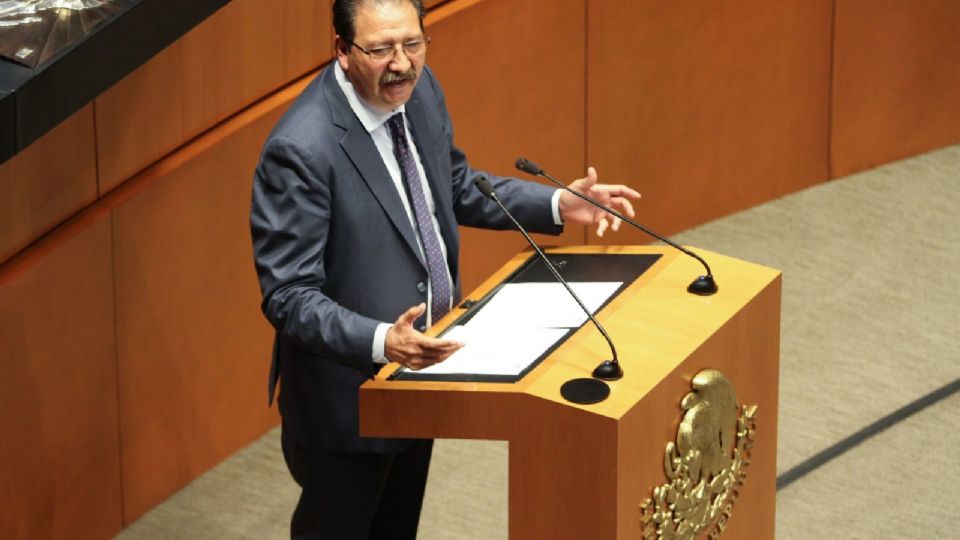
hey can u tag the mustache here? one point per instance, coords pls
(393, 77)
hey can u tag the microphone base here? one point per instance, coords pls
(584, 391)
(703, 286)
(609, 370)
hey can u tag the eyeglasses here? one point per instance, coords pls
(387, 52)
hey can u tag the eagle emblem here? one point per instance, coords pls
(706, 467)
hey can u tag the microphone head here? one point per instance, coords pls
(528, 167)
(484, 186)
(608, 370)
(703, 285)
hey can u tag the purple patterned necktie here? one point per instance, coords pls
(436, 265)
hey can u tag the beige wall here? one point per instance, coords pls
(130, 332)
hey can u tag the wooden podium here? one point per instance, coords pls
(584, 471)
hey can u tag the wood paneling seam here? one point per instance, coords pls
(116, 360)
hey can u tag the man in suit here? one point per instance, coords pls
(356, 202)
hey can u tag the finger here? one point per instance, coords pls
(591, 178)
(445, 356)
(616, 190)
(601, 227)
(421, 362)
(412, 314)
(439, 345)
(626, 207)
(435, 357)
(623, 191)
(616, 224)
(416, 364)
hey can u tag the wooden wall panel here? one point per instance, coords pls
(53, 178)
(59, 453)
(707, 107)
(512, 92)
(896, 81)
(238, 55)
(193, 348)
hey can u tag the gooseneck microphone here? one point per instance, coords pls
(608, 370)
(703, 285)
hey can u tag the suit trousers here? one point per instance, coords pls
(357, 496)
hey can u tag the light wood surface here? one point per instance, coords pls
(896, 81)
(580, 471)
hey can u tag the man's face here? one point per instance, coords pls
(384, 84)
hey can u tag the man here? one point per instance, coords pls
(356, 203)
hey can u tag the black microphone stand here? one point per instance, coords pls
(581, 390)
(703, 285)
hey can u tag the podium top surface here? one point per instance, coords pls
(612, 273)
(655, 324)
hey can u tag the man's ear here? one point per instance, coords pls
(342, 48)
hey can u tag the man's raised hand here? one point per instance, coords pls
(577, 211)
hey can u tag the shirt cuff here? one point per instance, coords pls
(379, 341)
(555, 206)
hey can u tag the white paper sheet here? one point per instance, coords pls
(542, 305)
(518, 325)
(487, 352)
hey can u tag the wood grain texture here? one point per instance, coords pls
(563, 473)
(52, 179)
(580, 471)
(60, 314)
(193, 347)
(896, 81)
(241, 53)
(746, 349)
(59, 453)
(510, 95)
(707, 108)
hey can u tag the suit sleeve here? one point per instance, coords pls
(290, 222)
(529, 202)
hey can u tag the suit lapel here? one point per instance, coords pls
(363, 153)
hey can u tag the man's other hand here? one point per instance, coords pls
(408, 347)
(578, 211)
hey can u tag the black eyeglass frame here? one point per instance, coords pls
(374, 54)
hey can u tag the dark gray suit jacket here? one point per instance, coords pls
(336, 254)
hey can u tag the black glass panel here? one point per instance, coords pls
(34, 31)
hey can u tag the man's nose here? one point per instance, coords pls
(400, 61)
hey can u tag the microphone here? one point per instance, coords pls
(703, 285)
(608, 370)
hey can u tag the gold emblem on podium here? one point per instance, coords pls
(706, 467)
